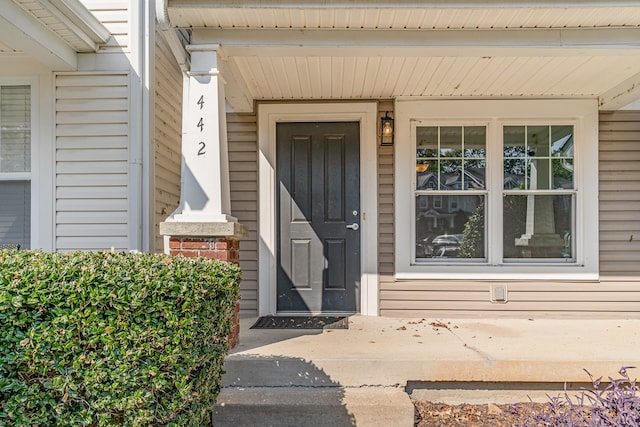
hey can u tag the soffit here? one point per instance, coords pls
(299, 52)
(67, 20)
(391, 17)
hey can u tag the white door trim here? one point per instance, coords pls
(268, 116)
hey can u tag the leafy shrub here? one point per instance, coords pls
(617, 405)
(472, 245)
(112, 339)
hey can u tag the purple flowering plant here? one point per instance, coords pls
(616, 405)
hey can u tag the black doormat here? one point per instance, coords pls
(302, 322)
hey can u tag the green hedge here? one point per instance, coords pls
(112, 339)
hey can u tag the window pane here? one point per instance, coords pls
(451, 174)
(538, 141)
(427, 142)
(15, 129)
(515, 174)
(450, 157)
(450, 226)
(427, 175)
(475, 140)
(562, 170)
(15, 213)
(451, 141)
(538, 157)
(514, 142)
(539, 174)
(538, 226)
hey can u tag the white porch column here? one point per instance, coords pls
(205, 167)
(202, 226)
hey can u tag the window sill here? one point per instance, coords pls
(520, 273)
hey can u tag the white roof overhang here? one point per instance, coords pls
(52, 32)
(330, 49)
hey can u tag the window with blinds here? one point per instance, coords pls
(15, 166)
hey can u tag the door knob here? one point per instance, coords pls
(353, 226)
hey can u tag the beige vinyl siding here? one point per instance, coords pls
(616, 294)
(243, 166)
(114, 15)
(528, 299)
(386, 231)
(92, 161)
(620, 195)
(167, 136)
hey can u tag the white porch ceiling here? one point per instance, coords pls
(330, 49)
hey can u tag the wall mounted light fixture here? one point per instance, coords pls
(386, 130)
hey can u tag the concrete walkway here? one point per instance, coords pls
(436, 359)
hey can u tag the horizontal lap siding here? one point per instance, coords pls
(617, 294)
(620, 194)
(114, 15)
(243, 166)
(386, 231)
(167, 137)
(92, 162)
(526, 299)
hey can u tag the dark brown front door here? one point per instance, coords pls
(318, 211)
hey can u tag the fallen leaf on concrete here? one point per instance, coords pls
(439, 324)
(402, 328)
(493, 409)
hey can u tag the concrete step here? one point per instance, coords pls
(328, 406)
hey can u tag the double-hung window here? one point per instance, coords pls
(450, 191)
(538, 205)
(15, 166)
(496, 189)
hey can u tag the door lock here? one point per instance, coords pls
(353, 226)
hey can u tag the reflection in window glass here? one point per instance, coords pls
(539, 226)
(450, 157)
(15, 213)
(450, 226)
(538, 157)
(538, 161)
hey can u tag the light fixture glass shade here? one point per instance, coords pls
(386, 130)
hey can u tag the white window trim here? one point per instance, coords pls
(268, 116)
(583, 114)
(35, 176)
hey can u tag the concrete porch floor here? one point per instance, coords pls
(440, 358)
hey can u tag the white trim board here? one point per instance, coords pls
(583, 114)
(268, 116)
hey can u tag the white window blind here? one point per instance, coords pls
(15, 165)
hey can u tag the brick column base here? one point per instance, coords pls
(220, 248)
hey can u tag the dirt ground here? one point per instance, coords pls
(429, 414)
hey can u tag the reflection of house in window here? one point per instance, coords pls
(427, 181)
(423, 202)
(437, 202)
(453, 203)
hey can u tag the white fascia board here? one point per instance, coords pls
(79, 20)
(169, 33)
(580, 39)
(621, 95)
(377, 4)
(23, 32)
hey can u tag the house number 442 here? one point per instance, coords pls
(200, 125)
